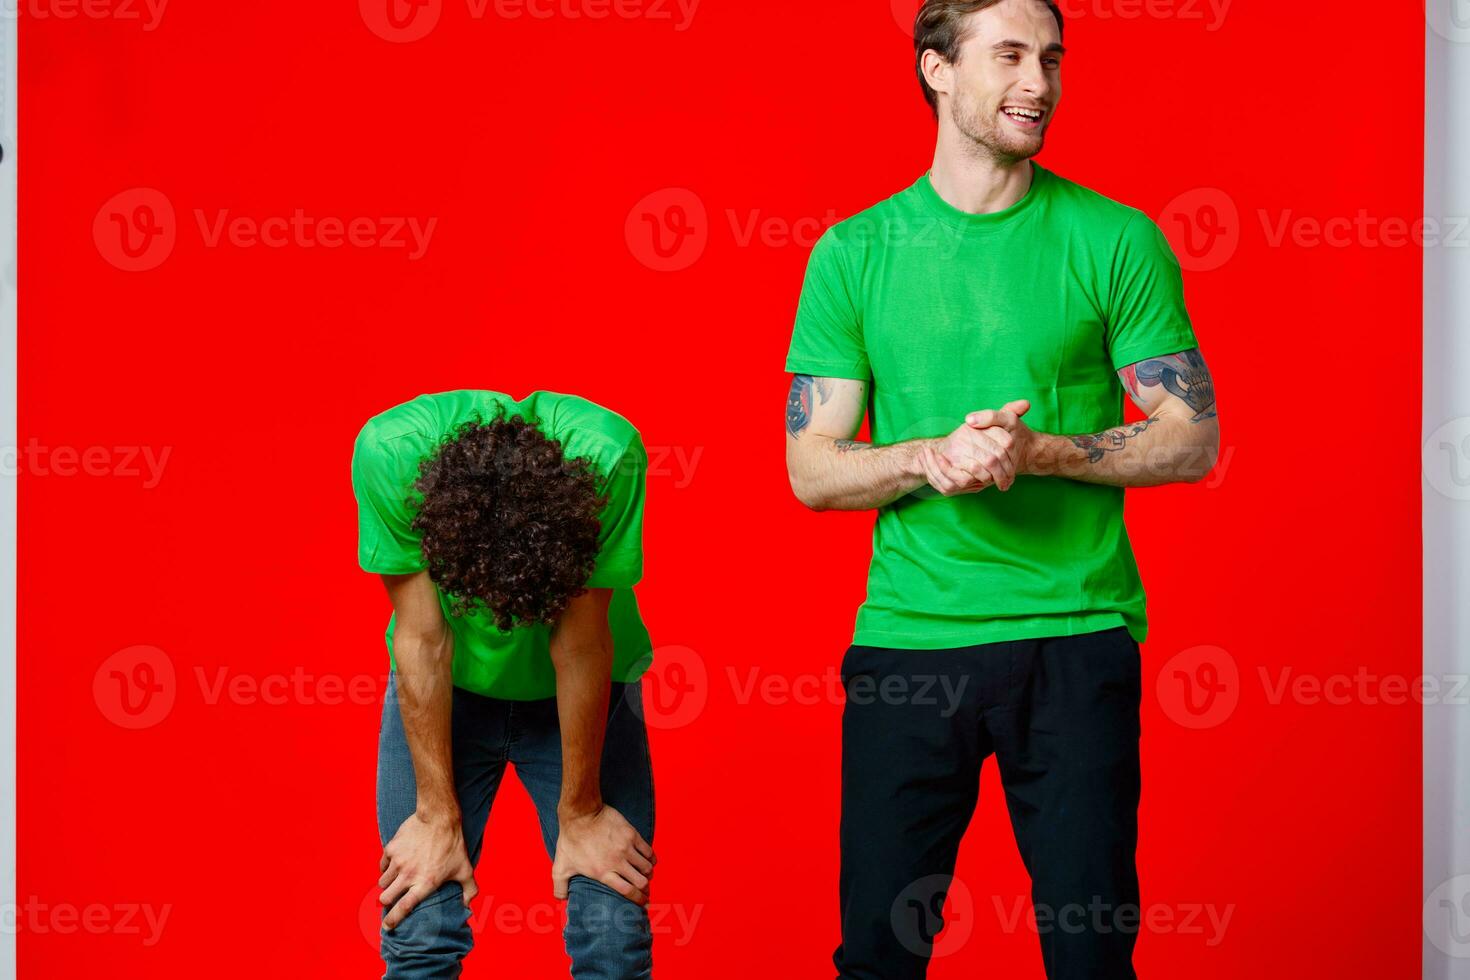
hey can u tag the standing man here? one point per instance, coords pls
(509, 536)
(983, 318)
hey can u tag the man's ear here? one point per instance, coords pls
(938, 72)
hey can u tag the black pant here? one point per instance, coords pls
(1061, 716)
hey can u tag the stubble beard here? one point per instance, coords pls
(987, 136)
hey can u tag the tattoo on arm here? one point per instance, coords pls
(1113, 440)
(850, 446)
(800, 401)
(1184, 375)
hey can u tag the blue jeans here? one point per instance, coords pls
(607, 936)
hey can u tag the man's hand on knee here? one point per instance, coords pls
(423, 855)
(604, 847)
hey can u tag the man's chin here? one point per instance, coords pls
(1015, 151)
(1004, 145)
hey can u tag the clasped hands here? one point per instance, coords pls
(991, 449)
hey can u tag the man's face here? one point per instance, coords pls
(1007, 81)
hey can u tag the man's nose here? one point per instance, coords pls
(1034, 81)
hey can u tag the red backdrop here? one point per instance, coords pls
(201, 660)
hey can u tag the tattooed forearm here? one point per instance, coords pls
(799, 401)
(851, 446)
(1183, 375)
(1113, 440)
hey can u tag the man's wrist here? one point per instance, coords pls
(438, 814)
(572, 811)
(913, 465)
(1041, 453)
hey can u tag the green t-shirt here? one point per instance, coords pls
(513, 665)
(946, 313)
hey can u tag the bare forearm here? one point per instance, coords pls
(425, 681)
(583, 683)
(1156, 451)
(841, 474)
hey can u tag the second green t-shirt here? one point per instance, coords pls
(946, 313)
(514, 665)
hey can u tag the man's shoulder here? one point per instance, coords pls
(1090, 205)
(587, 428)
(868, 228)
(403, 419)
(575, 410)
(428, 416)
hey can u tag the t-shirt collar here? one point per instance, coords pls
(996, 219)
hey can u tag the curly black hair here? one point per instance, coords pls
(508, 523)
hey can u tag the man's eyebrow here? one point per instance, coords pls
(1010, 44)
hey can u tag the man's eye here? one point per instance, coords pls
(1052, 63)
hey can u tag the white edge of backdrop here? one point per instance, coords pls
(1446, 441)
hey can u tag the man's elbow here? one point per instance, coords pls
(1201, 460)
(418, 645)
(573, 656)
(806, 491)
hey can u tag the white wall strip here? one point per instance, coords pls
(1447, 492)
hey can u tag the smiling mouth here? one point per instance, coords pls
(1022, 116)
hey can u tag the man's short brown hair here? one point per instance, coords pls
(940, 24)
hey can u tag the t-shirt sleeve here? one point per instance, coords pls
(620, 542)
(827, 340)
(384, 468)
(1146, 316)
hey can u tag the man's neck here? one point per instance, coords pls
(972, 180)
